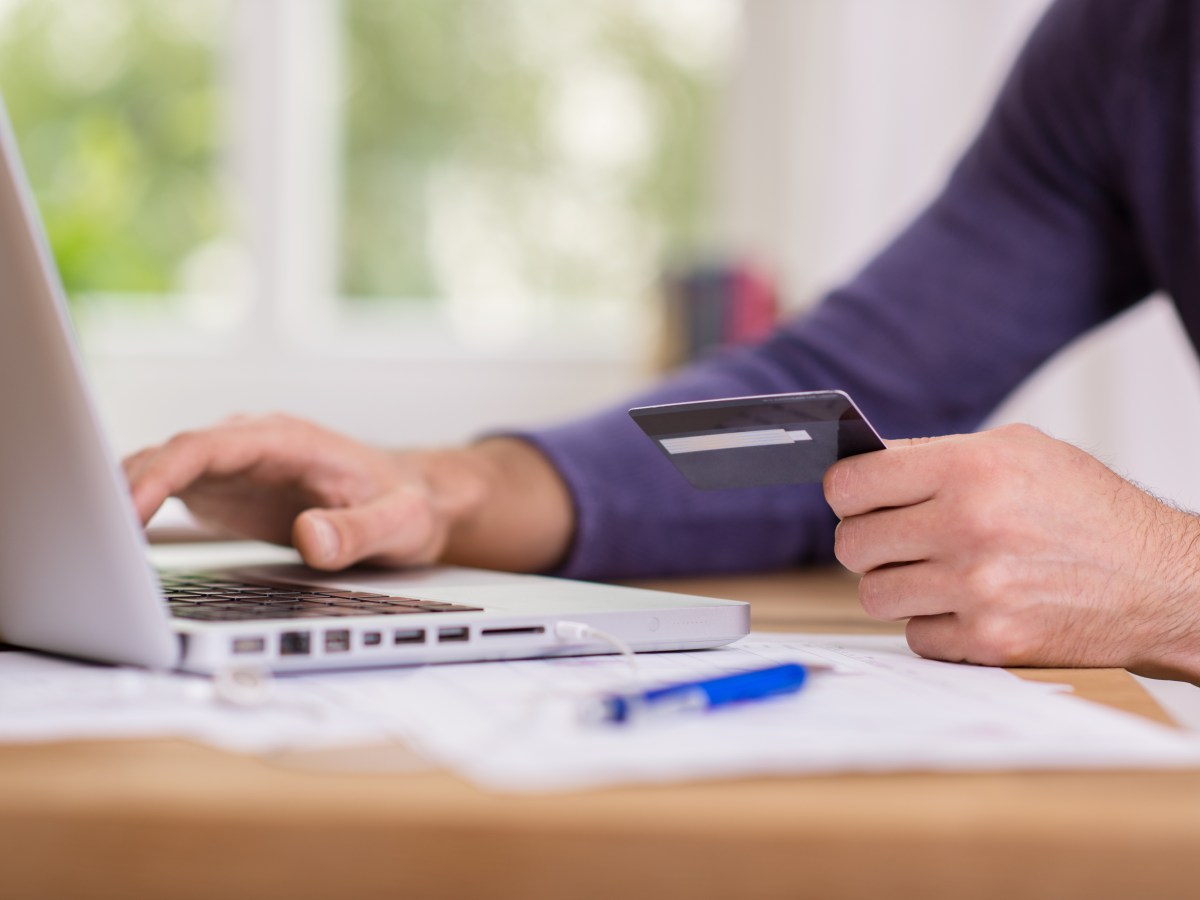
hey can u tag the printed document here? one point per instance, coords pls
(521, 725)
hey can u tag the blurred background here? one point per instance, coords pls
(417, 220)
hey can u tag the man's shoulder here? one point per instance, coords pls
(1117, 61)
(1108, 30)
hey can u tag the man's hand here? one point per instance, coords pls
(498, 504)
(1011, 548)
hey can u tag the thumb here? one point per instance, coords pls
(399, 525)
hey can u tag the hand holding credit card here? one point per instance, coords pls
(755, 441)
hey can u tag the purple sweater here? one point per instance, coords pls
(1078, 198)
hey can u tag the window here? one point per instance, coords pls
(527, 164)
(117, 109)
(454, 208)
(494, 171)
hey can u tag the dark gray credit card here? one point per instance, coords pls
(755, 441)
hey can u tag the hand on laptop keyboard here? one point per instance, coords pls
(497, 504)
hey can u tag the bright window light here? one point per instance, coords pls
(290, 171)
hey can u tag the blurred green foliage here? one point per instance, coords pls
(118, 109)
(437, 83)
(115, 105)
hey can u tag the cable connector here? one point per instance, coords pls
(573, 632)
(581, 633)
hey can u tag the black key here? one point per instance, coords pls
(264, 612)
(325, 612)
(203, 613)
(383, 607)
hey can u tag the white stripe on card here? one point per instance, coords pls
(733, 440)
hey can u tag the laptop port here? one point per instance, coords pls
(295, 643)
(337, 641)
(409, 636)
(249, 645)
(512, 632)
(452, 634)
(372, 639)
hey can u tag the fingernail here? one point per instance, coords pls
(325, 537)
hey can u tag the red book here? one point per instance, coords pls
(753, 309)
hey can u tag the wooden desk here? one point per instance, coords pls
(167, 819)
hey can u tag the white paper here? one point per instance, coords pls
(517, 726)
(48, 699)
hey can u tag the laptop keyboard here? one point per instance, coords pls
(213, 598)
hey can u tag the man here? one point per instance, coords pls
(1079, 198)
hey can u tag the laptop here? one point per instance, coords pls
(74, 575)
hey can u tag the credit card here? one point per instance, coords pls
(756, 441)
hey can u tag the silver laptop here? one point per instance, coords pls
(74, 577)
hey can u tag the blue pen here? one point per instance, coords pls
(695, 696)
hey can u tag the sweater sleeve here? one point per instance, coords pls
(1029, 244)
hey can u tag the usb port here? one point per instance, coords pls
(408, 636)
(337, 641)
(295, 643)
(452, 634)
(372, 639)
(249, 645)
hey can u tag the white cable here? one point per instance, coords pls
(581, 633)
(243, 685)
